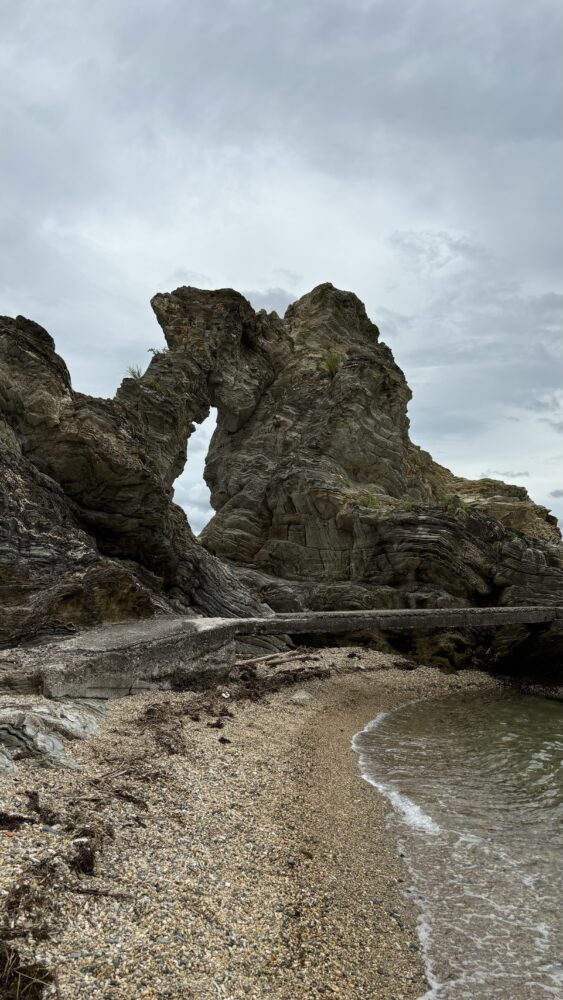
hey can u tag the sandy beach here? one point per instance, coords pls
(219, 844)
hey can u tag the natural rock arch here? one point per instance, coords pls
(321, 499)
(88, 530)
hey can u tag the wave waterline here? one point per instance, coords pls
(475, 785)
(410, 812)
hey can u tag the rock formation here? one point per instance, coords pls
(321, 499)
(324, 502)
(38, 727)
(88, 529)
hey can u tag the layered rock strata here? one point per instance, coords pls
(88, 529)
(322, 501)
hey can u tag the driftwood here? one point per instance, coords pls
(24, 930)
(87, 891)
(141, 759)
(57, 985)
(273, 659)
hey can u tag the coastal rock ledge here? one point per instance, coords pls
(321, 500)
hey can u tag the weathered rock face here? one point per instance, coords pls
(52, 577)
(324, 502)
(36, 727)
(88, 530)
(321, 499)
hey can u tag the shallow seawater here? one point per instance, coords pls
(476, 782)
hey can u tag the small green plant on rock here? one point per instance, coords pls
(135, 372)
(332, 365)
(369, 500)
(452, 501)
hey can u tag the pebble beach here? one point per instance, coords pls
(219, 844)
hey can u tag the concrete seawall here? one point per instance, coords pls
(174, 652)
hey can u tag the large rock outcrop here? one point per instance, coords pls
(88, 529)
(321, 499)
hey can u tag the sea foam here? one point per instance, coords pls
(411, 814)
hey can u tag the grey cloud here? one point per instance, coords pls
(552, 404)
(556, 493)
(292, 278)
(472, 319)
(69, 288)
(394, 324)
(407, 151)
(198, 443)
(544, 403)
(198, 447)
(350, 85)
(272, 299)
(508, 473)
(410, 67)
(424, 251)
(190, 491)
(432, 423)
(183, 276)
(194, 499)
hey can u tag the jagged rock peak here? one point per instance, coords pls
(312, 309)
(322, 499)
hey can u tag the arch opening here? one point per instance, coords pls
(190, 489)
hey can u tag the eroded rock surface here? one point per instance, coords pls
(88, 529)
(36, 728)
(321, 499)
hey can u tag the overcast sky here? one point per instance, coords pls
(408, 150)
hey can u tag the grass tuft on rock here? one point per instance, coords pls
(332, 365)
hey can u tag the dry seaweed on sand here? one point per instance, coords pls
(20, 980)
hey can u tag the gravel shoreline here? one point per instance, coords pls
(219, 845)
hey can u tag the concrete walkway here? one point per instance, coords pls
(170, 652)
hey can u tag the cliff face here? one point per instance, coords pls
(324, 502)
(88, 529)
(321, 499)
